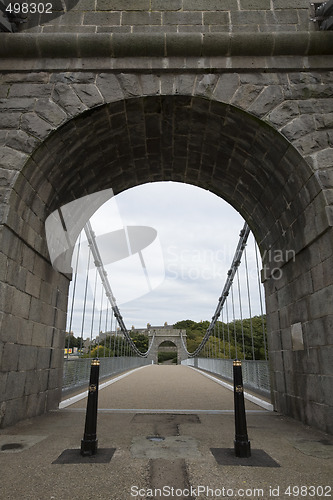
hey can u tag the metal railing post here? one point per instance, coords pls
(241, 444)
(89, 441)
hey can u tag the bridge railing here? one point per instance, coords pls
(77, 371)
(256, 375)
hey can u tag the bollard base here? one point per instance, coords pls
(242, 449)
(88, 447)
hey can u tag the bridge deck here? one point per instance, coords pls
(165, 387)
(181, 460)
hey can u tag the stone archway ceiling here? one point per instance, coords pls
(187, 139)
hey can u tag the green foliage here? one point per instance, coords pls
(251, 330)
(166, 355)
(118, 344)
(72, 341)
(140, 340)
(100, 352)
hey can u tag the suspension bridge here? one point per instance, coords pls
(225, 337)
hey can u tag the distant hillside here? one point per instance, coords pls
(221, 343)
(227, 331)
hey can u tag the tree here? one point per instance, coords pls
(249, 335)
(72, 341)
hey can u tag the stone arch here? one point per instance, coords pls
(160, 335)
(197, 140)
(138, 132)
(292, 103)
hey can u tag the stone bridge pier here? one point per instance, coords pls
(167, 334)
(235, 97)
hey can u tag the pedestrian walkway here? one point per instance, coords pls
(171, 449)
(165, 387)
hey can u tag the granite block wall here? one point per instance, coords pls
(178, 16)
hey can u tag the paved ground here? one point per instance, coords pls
(183, 459)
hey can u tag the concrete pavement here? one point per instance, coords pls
(158, 448)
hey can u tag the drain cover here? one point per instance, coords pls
(11, 446)
(155, 438)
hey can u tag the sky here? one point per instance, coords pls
(167, 248)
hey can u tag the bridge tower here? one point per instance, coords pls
(166, 333)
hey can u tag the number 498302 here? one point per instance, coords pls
(29, 8)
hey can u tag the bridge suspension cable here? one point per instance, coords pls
(225, 292)
(108, 291)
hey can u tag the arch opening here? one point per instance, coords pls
(167, 353)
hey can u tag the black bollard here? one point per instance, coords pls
(89, 441)
(241, 443)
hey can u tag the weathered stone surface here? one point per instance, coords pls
(35, 404)
(13, 410)
(11, 159)
(283, 112)
(101, 18)
(33, 284)
(109, 87)
(10, 329)
(326, 360)
(27, 358)
(178, 18)
(10, 120)
(130, 84)
(49, 111)
(30, 90)
(44, 357)
(3, 381)
(206, 85)
(36, 382)
(256, 5)
(298, 127)
(35, 126)
(226, 87)
(21, 141)
(15, 384)
(269, 98)
(216, 18)
(53, 397)
(67, 99)
(88, 94)
(55, 375)
(150, 84)
(17, 104)
(122, 5)
(170, 5)
(10, 357)
(209, 5)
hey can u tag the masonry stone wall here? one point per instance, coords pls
(178, 16)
